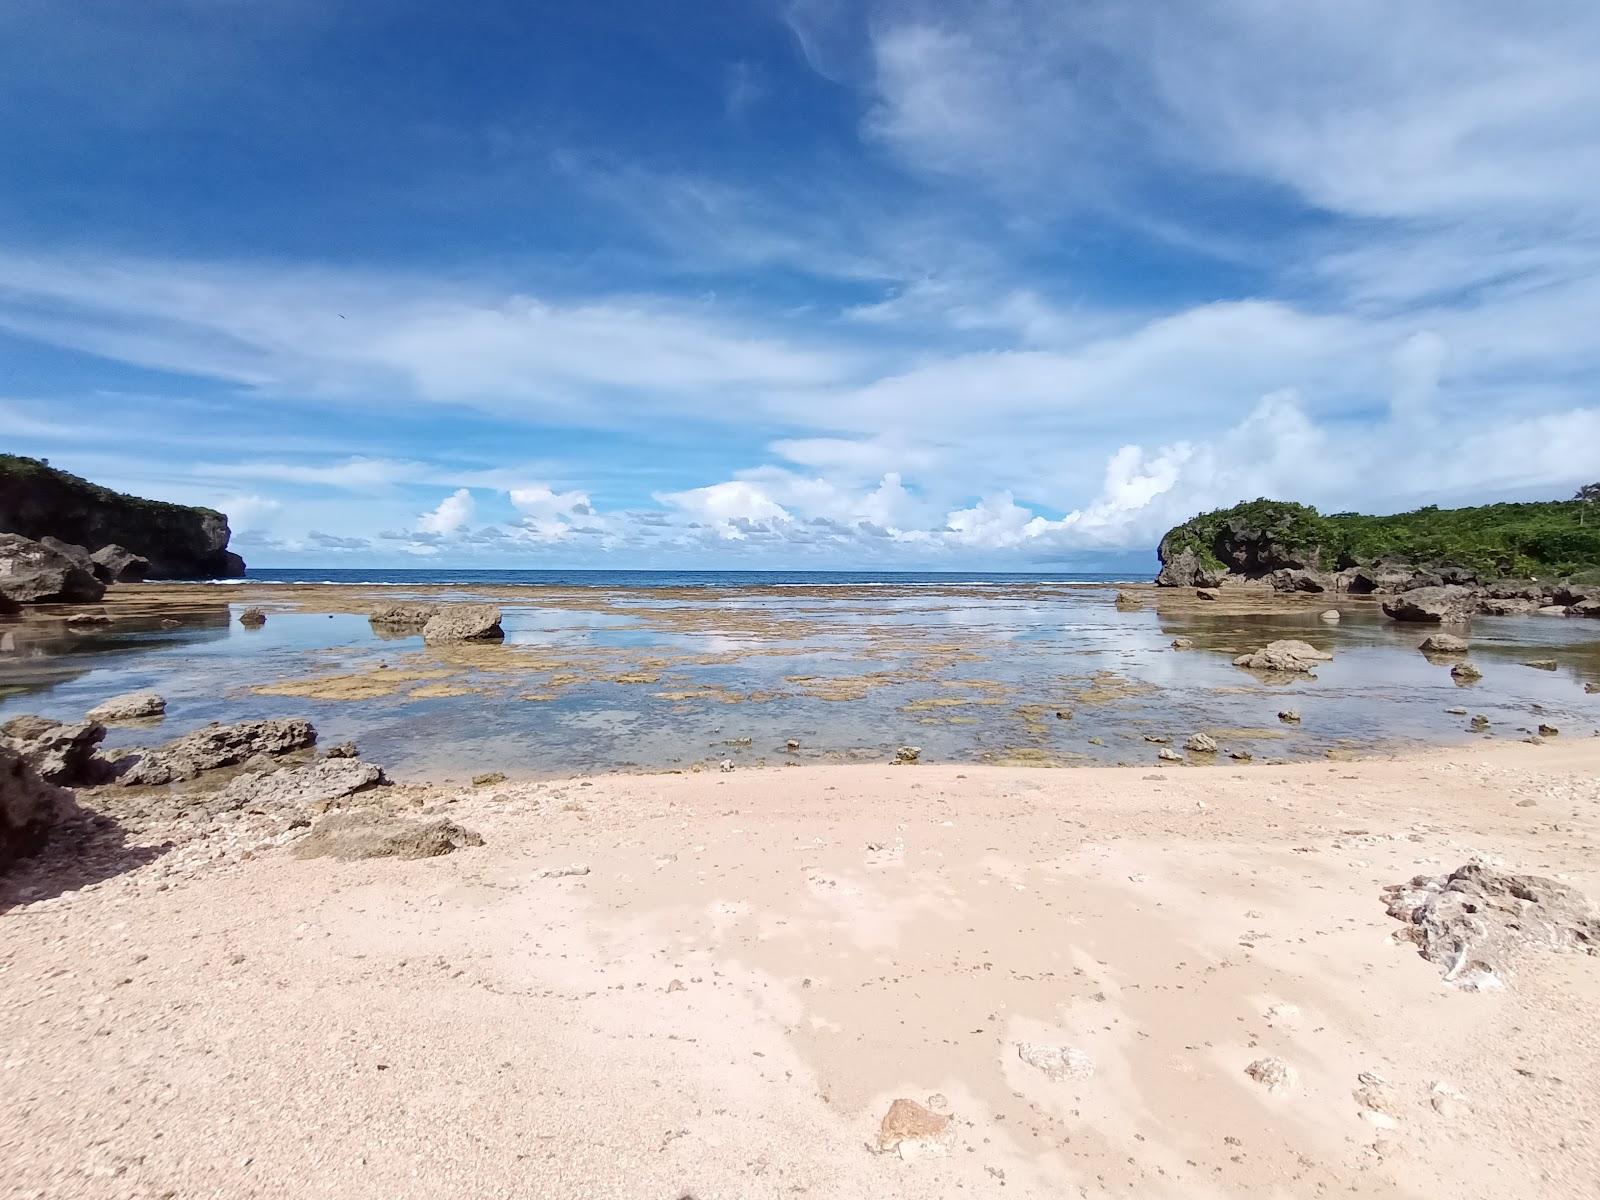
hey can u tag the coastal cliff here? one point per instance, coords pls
(1525, 554)
(37, 501)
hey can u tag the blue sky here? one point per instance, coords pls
(805, 283)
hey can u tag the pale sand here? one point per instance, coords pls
(466, 1026)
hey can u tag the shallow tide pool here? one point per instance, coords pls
(587, 680)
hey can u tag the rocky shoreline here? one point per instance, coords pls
(64, 540)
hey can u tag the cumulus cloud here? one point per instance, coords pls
(453, 513)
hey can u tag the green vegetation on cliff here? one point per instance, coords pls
(1556, 537)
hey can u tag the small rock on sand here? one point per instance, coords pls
(1166, 754)
(1478, 921)
(1271, 1073)
(906, 755)
(488, 778)
(910, 1128)
(130, 706)
(567, 872)
(1057, 1062)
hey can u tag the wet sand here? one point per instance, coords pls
(746, 968)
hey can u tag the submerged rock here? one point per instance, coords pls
(1465, 672)
(1478, 921)
(130, 706)
(368, 833)
(464, 623)
(1183, 643)
(253, 618)
(1443, 643)
(1284, 655)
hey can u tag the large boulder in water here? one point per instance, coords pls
(115, 564)
(1284, 655)
(31, 572)
(1449, 604)
(180, 542)
(411, 614)
(464, 623)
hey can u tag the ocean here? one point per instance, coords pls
(418, 577)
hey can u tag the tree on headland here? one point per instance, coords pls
(1588, 495)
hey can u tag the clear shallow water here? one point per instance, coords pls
(600, 677)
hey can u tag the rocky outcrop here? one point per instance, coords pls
(30, 807)
(1477, 922)
(179, 542)
(208, 749)
(1449, 604)
(32, 573)
(464, 623)
(59, 753)
(1184, 569)
(1298, 579)
(371, 833)
(311, 787)
(115, 564)
(1285, 655)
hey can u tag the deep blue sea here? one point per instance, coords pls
(674, 579)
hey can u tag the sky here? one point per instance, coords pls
(796, 284)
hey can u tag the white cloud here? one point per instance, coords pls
(453, 513)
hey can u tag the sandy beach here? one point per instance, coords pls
(715, 986)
